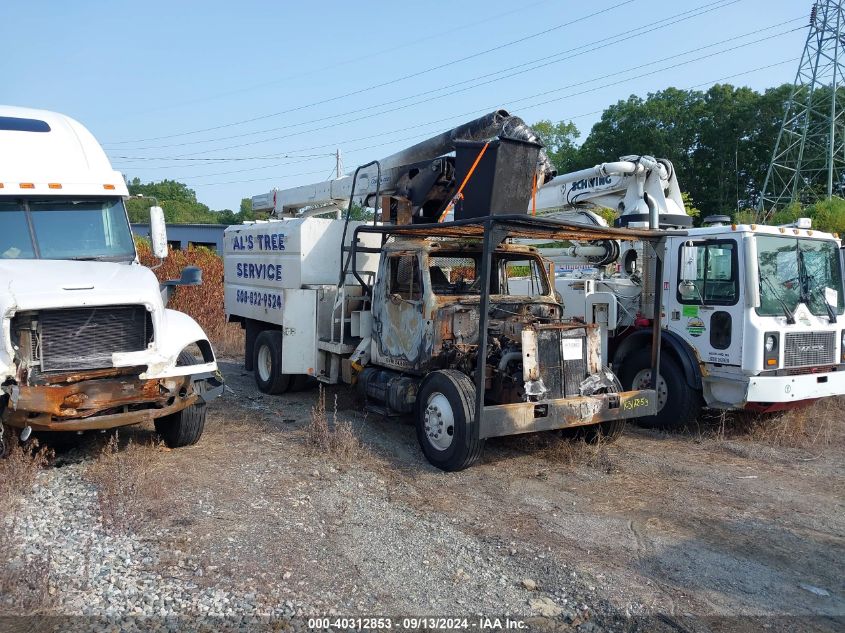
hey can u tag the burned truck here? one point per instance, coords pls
(421, 313)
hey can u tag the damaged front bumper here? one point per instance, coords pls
(562, 413)
(102, 399)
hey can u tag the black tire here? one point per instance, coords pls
(682, 404)
(184, 427)
(302, 382)
(604, 433)
(465, 446)
(267, 363)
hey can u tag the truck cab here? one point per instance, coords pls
(87, 342)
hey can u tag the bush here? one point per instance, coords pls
(204, 303)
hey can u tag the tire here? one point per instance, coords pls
(604, 433)
(681, 404)
(448, 396)
(302, 382)
(267, 363)
(184, 427)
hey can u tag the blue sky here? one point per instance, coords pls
(143, 70)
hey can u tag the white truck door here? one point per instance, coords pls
(704, 303)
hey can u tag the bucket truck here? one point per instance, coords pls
(752, 314)
(420, 314)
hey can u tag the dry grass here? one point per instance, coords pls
(125, 481)
(569, 451)
(24, 578)
(336, 438)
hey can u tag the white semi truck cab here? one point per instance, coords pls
(752, 315)
(85, 339)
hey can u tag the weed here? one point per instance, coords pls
(336, 438)
(124, 479)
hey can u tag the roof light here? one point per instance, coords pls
(54, 185)
(1, 185)
(782, 230)
(109, 187)
(27, 185)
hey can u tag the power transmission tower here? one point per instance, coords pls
(808, 163)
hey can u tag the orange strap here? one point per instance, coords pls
(534, 195)
(463, 184)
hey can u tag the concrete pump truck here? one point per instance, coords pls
(424, 315)
(752, 315)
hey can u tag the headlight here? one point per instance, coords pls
(770, 342)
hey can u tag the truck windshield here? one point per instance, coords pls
(794, 271)
(513, 274)
(65, 228)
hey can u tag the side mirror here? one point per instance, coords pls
(158, 232)
(687, 290)
(689, 263)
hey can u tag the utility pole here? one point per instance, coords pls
(808, 163)
(338, 164)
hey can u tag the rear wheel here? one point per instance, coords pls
(678, 404)
(445, 420)
(267, 363)
(184, 427)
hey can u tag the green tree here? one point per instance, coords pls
(559, 139)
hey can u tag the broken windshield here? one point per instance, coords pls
(794, 271)
(64, 228)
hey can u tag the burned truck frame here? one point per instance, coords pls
(538, 372)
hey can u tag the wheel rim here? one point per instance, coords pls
(265, 363)
(642, 380)
(439, 421)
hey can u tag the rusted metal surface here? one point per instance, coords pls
(46, 422)
(561, 413)
(77, 376)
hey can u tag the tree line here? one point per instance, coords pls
(720, 141)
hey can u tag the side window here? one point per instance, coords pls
(405, 278)
(523, 277)
(712, 267)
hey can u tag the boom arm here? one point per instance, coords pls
(640, 189)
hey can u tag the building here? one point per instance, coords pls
(181, 236)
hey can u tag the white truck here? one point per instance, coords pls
(752, 314)
(419, 313)
(86, 341)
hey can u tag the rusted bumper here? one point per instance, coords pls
(562, 413)
(103, 399)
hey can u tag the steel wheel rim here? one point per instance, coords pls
(265, 363)
(642, 380)
(439, 421)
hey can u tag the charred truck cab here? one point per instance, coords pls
(450, 321)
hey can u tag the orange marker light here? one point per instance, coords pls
(110, 187)
(1, 185)
(54, 185)
(771, 361)
(27, 185)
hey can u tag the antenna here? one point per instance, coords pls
(808, 163)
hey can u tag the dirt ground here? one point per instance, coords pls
(695, 532)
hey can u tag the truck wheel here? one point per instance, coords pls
(184, 427)
(604, 433)
(678, 405)
(267, 363)
(445, 413)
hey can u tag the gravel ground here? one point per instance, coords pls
(253, 529)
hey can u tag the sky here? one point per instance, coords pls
(238, 98)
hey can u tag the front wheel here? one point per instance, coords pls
(184, 427)
(445, 420)
(267, 363)
(678, 404)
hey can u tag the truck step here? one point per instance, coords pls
(336, 347)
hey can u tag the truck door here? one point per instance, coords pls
(705, 307)
(399, 329)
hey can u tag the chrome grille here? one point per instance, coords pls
(810, 348)
(86, 338)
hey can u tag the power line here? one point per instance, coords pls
(388, 82)
(559, 89)
(540, 62)
(693, 87)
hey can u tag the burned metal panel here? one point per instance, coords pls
(548, 415)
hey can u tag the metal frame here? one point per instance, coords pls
(493, 230)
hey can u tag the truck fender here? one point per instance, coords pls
(670, 343)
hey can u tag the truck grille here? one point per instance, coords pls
(562, 355)
(810, 348)
(86, 338)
